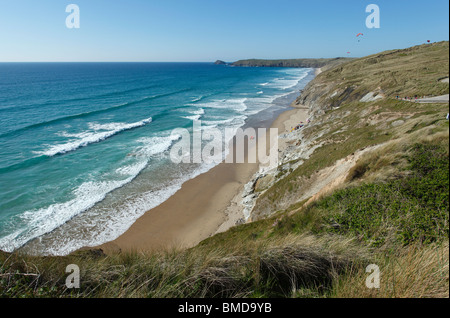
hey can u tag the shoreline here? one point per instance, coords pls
(204, 206)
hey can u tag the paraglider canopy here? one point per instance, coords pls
(429, 41)
(358, 36)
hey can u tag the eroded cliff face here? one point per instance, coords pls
(315, 98)
(299, 146)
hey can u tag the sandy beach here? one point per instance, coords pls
(206, 205)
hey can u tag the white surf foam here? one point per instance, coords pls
(193, 118)
(131, 170)
(96, 133)
(42, 221)
(199, 111)
(152, 146)
(236, 104)
(197, 114)
(105, 227)
(283, 83)
(45, 220)
(290, 78)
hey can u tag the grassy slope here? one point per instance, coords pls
(413, 71)
(392, 210)
(350, 125)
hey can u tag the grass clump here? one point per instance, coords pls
(266, 268)
(417, 271)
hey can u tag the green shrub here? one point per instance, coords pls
(411, 209)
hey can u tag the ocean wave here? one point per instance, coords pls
(152, 146)
(203, 97)
(218, 122)
(104, 226)
(283, 83)
(97, 133)
(22, 164)
(131, 170)
(198, 99)
(290, 81)
(299, 72)
(89, 114)
(199, 111)
(80, 99)
(39, 222)
(231, 123)
(193, 118)
(197, 114)
(236, 104)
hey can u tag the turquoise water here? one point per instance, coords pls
(84, 147)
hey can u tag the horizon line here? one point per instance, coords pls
(299, 58)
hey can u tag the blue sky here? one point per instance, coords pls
(206, 30)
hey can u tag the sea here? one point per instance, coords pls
(85, 147)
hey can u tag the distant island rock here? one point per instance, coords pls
(219, 62)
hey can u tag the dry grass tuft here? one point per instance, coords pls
(414, 272)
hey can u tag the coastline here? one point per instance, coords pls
(205, 205)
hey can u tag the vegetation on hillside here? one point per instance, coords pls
(342, 124)
(392, 209)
